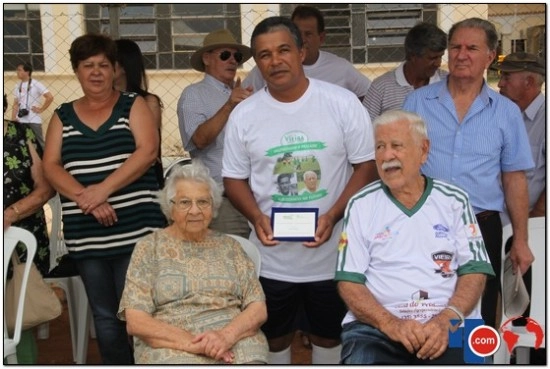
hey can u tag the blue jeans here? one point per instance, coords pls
(104, 282)
(364, 344)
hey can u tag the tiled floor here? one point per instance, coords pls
(57, 348)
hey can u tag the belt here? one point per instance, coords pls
(486, 214)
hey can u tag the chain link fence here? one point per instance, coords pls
(369, 35)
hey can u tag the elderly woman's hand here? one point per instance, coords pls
(105, 214)
(216, 345)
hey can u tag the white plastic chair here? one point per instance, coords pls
(77, 299)
(178, 161)
(251, 250)
(526, 340)
(12, 236)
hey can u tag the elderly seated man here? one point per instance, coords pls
(411, 257)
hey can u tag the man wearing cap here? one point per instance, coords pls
(204, 108)
(479, 143)
(521, 79)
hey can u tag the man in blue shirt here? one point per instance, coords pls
(479, 143)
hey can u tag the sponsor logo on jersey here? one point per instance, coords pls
(441, 231)
(386, 234)
(443, 260)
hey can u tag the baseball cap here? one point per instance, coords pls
(521, 61)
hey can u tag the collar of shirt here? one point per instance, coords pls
(534, 107)
(216, 83)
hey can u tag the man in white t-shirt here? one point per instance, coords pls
(317, 63)
(411, 256)
(295, 125)
(26, 104)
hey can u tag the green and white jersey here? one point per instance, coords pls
(410, 259)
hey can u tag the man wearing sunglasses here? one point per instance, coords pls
(203, 110)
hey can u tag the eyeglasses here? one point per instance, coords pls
(224, 55)
(185, 204)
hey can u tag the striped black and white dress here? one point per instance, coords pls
(91, 156)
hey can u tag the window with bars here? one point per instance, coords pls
(167, 34)
(369, 33)
(22, 36)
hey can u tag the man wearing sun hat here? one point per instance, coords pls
(521, 79)
(203, 110)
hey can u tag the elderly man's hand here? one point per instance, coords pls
(521, 255)
(436, 331)
(407, 331)
(239, 93)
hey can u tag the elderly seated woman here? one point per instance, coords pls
(191, 294)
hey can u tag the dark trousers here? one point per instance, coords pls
(491, 230)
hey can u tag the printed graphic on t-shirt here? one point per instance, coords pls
(297, 172)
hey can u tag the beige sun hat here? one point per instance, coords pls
(215, 40)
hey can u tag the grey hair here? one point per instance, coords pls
(491, 35)
(416, 123)
(539, 78)
(195, 172)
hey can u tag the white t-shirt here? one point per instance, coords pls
(325, 130)
(329, 68)
(37, 90)
(410, 259)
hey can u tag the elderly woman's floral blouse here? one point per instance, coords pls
(197, 286)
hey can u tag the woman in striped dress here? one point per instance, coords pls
(99, 156)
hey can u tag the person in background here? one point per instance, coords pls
(521, 78)
(26, 101)
(26, 191)
(204, 108)
(100, 151)
(411, 257)
(479, 143)
(130, 76)
(214, 316)
(294, 125)
(318, 63)
(425, 44)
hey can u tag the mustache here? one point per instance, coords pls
(391, 164)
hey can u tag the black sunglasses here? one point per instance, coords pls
(224, 55)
